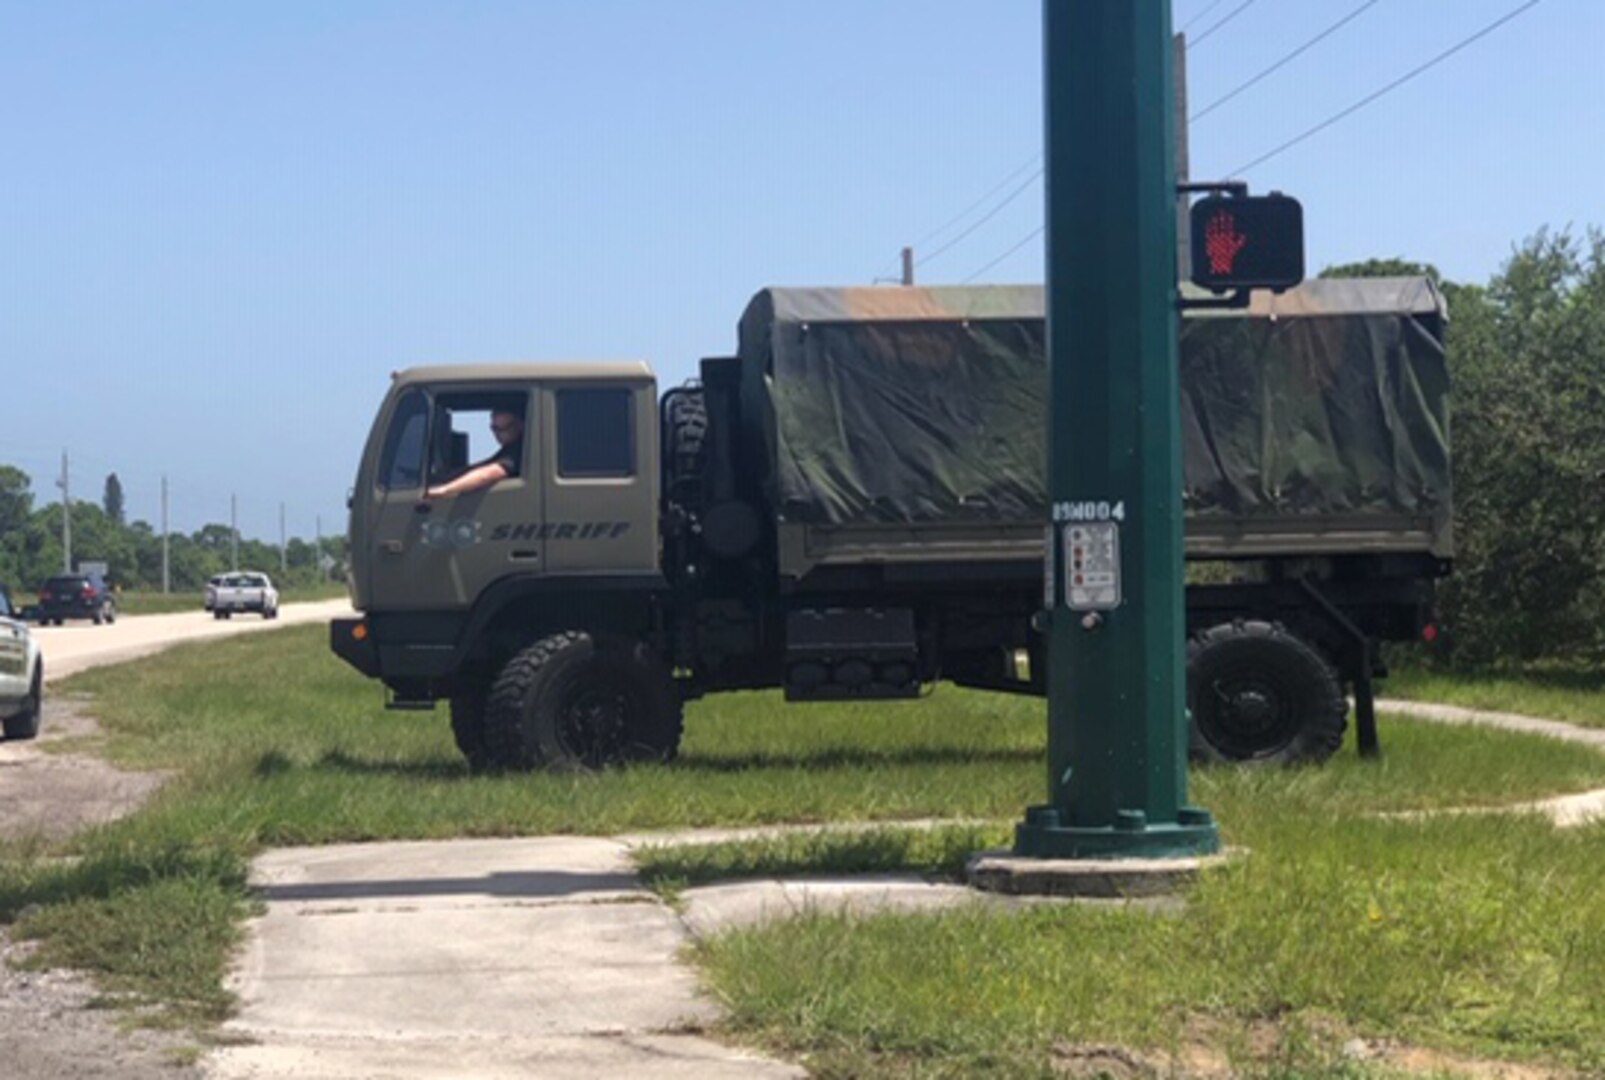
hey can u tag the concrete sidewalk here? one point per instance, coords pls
(484, 958)
(501, 958)
(1566, 811)
(535, 957)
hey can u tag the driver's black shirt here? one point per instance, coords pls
(509, 457)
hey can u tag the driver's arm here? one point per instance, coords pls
(472, 480)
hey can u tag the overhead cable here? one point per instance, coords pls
(984, 218)
(1038, 231)
(1284, 61)
(1394, 85)
(1236, 11)
(1206, 10)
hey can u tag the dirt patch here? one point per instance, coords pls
(55, 794)
(50, 1027)
(1215, 1049)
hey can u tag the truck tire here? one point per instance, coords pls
(1258, 694)
(468, 727)
(577, 701)
(687, 448)
(25, 725)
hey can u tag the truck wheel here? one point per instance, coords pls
(99, 616)
(577, 701)
(25, 725)
(468, 727)
(1257, 694)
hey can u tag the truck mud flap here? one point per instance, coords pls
(351, 641)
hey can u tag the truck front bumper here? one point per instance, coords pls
(352, 641)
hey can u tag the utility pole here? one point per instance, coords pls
(1117, 777)
(234, 532)
(66, 516)
(284, 558)
(167, 580)
(908, 266)
(317, 520)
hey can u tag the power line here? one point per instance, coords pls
(1394, 85)
(1032, 235)
(1207, 9)
(984, 218)
(1236, 11)
(1035, 158)
(1284, 61)
(976, 205)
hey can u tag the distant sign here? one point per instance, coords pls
(99, 569)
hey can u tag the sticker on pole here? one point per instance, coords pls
(1092, 566)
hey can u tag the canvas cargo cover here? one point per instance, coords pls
(876, 406)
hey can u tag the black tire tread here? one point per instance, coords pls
(1321, 733)
(25, 725)
(507, 742)
(688, 442)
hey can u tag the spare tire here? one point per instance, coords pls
(1259, 694)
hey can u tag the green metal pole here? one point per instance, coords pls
(1117, 770)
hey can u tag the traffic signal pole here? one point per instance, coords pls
(1117, 770)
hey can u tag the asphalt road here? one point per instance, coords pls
(77, 646)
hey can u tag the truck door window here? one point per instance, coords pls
(469, 430)
(595, 433)
(401, 466)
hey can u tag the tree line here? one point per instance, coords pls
(1526, 357)
(30, 545)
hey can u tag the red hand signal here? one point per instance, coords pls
(1222, 242)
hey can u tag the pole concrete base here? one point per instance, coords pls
(1106, 879)
(1044, 834)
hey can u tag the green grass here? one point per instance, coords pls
(937, 851)
(1572, 693)
(155, 603)
(1481, 935)
(1486, 934)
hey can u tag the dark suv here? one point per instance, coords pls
(76, 596)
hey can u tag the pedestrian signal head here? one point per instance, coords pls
(1247, 242)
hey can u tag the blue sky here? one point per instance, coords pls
(223, 225)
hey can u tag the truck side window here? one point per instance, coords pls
(475, 428)
(401, 466)
(595, 433)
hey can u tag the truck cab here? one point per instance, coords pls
(440, 577)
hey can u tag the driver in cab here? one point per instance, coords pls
(508, 428)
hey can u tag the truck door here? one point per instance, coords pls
(440, 554)
(600, 440)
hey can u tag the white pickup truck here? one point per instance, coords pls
(22, 674)
(242, 592)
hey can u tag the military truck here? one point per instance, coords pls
(853, 506)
